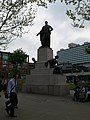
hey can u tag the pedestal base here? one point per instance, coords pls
(46, 89)
(42, 80)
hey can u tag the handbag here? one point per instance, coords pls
(6, 94)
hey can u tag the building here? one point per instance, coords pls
(6, 67)
(75, 59)
(74, 55)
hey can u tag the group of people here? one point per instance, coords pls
(82, 94)
(10, 91)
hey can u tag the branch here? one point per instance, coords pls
(7, 17)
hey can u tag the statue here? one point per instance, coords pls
(33, 59)
(45, 33)
(53, 63)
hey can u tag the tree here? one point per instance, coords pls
(81, 11)
(87, 49)
(18, 57)
(15, 15)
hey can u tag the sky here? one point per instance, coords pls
(63, 32)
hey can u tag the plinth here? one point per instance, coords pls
(42, 80)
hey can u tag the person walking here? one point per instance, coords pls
(0, 87)
(5, 83)
(11, 91)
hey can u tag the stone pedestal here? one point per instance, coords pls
(42, 80)
(44, 54)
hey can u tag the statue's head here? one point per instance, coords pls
(33, 59)
(46, 22)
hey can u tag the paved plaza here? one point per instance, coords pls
(44, 107)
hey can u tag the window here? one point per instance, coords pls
(5, 56)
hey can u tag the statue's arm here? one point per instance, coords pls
(50, 28)
(38, 34)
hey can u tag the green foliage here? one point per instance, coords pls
(15, 15)
(78, 15)
(81, 12)
(71, 86)
(18, 57)
(87, 49)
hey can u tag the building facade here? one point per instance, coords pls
(74, 55)
(6, 67)
(75, 59)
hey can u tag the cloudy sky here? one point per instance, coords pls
(61, 36)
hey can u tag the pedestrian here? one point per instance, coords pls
(88, 93)
(5, 82)
(11, 90)
(82, 94)
(76, 94)
(0, 87)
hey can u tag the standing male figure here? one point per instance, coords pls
(45, 35)
(11, 90)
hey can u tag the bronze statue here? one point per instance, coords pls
(45, 33)
(53, 63)
(33, 59)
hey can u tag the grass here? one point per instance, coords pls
(71, 86)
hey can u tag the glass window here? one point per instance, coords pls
(5, 56)
(4, 66)
(5, 62)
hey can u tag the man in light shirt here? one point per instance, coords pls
(11, 90)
